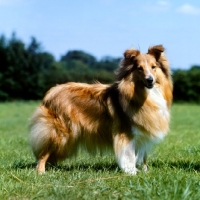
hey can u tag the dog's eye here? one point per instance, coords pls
(153, 67)
(140, 68)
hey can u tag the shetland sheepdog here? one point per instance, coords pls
(129, 115)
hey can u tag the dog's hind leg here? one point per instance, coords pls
(41, 163)
(47, 158)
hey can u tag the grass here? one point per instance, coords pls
(174, 164)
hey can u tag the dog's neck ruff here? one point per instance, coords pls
(156, 113)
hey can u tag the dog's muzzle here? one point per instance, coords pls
(149, 82)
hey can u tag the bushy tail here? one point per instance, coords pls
(48, 134)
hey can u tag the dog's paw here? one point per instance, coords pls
(131, 170)
(40, 169)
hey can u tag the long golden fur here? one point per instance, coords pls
(129, 115)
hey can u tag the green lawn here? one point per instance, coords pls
(174, 164)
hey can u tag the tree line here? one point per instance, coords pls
(27, 72)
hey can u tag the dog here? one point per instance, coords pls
(129, 115)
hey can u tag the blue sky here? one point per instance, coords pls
(107, 27)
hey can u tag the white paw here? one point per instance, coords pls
(130, 170)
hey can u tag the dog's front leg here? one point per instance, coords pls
(124, 148)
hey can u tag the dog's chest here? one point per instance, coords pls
(157, 98)
(153, 116)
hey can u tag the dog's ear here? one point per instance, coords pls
(126, 64)
(131, 54)
(156, 51)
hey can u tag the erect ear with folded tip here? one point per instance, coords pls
(156, 51)
(131, 54)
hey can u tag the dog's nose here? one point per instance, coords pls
(149, 80)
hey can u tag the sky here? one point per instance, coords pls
(107, 27)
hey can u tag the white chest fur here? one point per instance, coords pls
(152, 117)
(156, 96)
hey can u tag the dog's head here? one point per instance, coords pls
(142, 66)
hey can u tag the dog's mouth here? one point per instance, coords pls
(149, 86)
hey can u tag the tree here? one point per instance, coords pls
(21, 69)
(85, 58)
(108, 63)
(187, 84)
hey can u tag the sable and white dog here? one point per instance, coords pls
(129, 115)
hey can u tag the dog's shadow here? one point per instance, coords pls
(179, 164)
(70, 167)
(110, 166)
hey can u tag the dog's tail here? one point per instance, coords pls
(49, 135)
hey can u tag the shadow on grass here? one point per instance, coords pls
(179, 164)
(110, 166)
(23, 165)
(87, 166)
(105, 166)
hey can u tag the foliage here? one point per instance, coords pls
(21, 68)
(187, 84)
(173, 164)
(27, 72)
